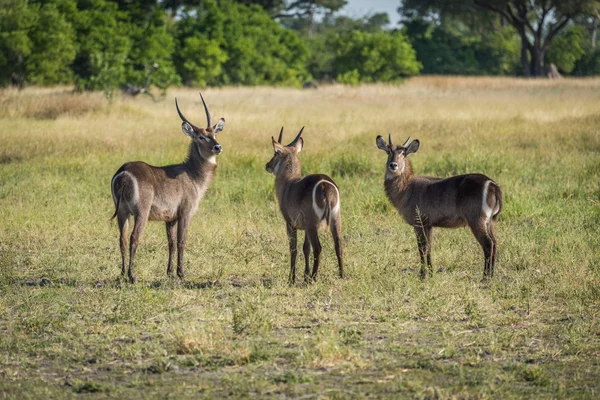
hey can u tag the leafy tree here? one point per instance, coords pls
(17, 18)
(54, 45)
(444, 50)
(104, 44)
(37, 42)
(152, 44)
(272, 7)
(229, 43)
(374, 57)
(537, 22)
(566, 49)
(199, 57)
(301, 15)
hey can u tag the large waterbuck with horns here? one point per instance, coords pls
(425, 202)
(307, 203)
(170, 193)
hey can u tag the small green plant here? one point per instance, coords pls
(250, 316)
(350, 335)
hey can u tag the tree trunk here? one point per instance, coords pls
(537, 61)
(524, 53)
(594, 29)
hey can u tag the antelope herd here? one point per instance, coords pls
(172, 194)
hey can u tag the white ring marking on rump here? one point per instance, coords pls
(487, 210)
(318, 211)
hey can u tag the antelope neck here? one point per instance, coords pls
(200, 168)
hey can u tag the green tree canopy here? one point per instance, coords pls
(373, 57)
(537, 22)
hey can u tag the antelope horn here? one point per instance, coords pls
(280, 135)
(293, 143)
(390, 139)
(405, 143)
(183, 118)
(208, 118)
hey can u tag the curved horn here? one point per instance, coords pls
(183, 118)
(390, 139)
(207, 112)
(293, 143)
(280, 135)
(406, 143)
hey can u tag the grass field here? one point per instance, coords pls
(234, 327)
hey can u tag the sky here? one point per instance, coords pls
(359, 8)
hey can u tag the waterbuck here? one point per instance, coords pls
(307, 203)
(170, 194)
(426, 202)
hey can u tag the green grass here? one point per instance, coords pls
(68, 328)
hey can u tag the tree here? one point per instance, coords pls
(16, 20)
(301, 14)
(566, 49)
(37, 42)
(151, 53)
(54, 45)
(272, 7)
(104, 45)
(225, 42)
(373, 57)
(537, 22)
(451, 48)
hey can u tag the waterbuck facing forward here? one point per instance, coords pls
(170, 194)
(425, 202)
(307, 203)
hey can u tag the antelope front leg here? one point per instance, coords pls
(171, 236)
(424, 236)
(293, 239)
(182, 228)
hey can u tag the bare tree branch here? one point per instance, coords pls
(554, 30)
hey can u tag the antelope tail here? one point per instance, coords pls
(332, 203)
(498, 195)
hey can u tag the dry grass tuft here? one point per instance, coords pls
(48, 103)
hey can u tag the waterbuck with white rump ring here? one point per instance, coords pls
(170, 193)
(306, 203)
(425, 202)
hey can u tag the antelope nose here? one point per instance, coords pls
(394, 166)
(217, 148)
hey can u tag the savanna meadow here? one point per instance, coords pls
(70, 327)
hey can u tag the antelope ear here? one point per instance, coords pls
(299, 145)
(219, 126)
(188, 130)
(381, 145)
(276, 146)
(412, 147)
